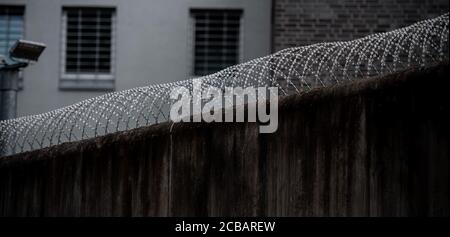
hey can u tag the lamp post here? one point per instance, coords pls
(23, 51)
(9, 76)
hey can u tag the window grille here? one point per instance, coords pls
(11, 27)
(216, 39)
(88, 45)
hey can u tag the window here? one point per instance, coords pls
(11, 27)
(88, 48)
(216, 40)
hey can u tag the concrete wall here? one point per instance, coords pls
(304, 22)
(373, 148)
(152, 44)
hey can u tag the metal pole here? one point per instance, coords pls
(9, 77)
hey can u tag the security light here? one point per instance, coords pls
(26, 50)
(21, 53)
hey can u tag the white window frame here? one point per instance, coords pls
(87, 81)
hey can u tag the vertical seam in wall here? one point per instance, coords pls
(169, 170)
(368, 158)
(263, 174)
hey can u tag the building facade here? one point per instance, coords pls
(305, 22)
(98, 46)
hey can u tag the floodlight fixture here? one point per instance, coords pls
(21, 53)
(26, 50)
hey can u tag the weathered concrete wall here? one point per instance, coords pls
(372, 148)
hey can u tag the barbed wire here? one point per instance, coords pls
(293, 70)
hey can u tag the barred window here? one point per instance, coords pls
(216, 39)
(11, 27)
(88, 40)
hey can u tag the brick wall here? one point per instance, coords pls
(304, 22)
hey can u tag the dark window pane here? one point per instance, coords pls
(11, 27)
(216, 39)
(88, 47)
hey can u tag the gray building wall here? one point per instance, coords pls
(152, 44)
(304, 22)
